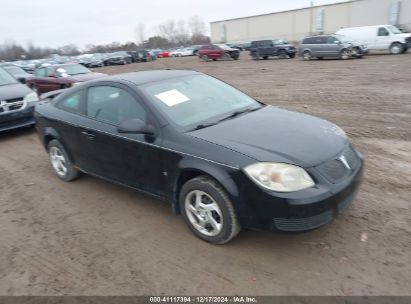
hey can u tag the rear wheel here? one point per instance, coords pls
(208, 210)
(396, 48)
(265, 57)
(307, 55)
(60, 161)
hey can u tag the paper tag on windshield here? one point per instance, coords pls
(172, 97)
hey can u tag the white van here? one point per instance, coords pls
(379, 37)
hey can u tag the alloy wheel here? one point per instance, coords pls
(203, 213)
(58, 161)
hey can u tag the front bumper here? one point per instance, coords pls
(299, 211)
(17, 119)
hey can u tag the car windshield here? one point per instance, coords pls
(74, 69)
(393, 29)
(279, 41)
(6, 78)
(16, 71)
(194, 100)
(342, 38)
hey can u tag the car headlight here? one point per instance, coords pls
(279, 177)
(31, 98)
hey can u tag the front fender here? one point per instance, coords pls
(219, 172)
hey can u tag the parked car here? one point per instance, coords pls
(120, 57)
(92, 61)
(142, 56)
(221, 158)
(185, 52)
(217, 51)
(379, 37)
(336, 46)
(17, 103)
(55, 77)
(272, 48)
(17, 72)
(246, 46)
(163, 54)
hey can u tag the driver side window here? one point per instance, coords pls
(382, 31)
(113, 105)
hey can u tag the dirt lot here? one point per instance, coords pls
(90, 237)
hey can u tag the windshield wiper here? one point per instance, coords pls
(204, 125)
(236, 113)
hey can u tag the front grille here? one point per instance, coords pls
(13, 100)
(11, 105)
(301, 224)
(335, 169)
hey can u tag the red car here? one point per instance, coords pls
(61, 76)
(163, 54)
(217, 51)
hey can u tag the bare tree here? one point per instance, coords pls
(167, 30)
(197, 26)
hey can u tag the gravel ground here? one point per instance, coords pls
(90, 237)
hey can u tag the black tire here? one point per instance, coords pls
(71, 172)
(282, 54)
(396, 48)
(320, 58)
(210, 189)
(291, 55)
(307, 55)
(265, 57)
(344, 54)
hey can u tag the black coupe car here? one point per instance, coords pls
(221, 158)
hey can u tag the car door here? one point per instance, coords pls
(216, 52)
(52, 81)
(130, 159)
(332, 47)
(383, 39)
(38, 81)
(320, 46)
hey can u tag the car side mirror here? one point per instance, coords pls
(22, 80)
(135, 126)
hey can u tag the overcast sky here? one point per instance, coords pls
(55, 23)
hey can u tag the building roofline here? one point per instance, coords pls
(291, 10)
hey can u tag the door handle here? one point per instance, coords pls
(88, 134)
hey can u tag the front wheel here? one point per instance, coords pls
(396, 48)
(208, 210)
(205, 58)
(61, 163)
(345, 54)
(282, 54)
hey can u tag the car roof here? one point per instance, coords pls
(143, 77)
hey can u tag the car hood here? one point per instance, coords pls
(274, 134)
(12, 91)
(87, 76)
(286, 45)
(406, 35)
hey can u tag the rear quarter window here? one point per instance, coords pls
(71, 103)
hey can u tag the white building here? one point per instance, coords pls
(293, 25)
